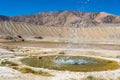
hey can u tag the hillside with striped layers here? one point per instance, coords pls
(49, 33)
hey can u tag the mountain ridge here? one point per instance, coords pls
(56, 26)
(65, 18)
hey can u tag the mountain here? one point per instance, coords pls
(4, 18)
(65, 18)
(59, 26)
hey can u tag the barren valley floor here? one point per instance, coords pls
(14, 51)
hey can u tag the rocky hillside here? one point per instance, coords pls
(65, 18)
(25, 31)
(4, 18)
(58, 26)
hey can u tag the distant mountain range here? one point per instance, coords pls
(50, 26)
(65, 18)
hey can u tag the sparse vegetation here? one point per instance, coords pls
(118, 78)
(29, 70)
(92, 78)
(15, 67)
(72, 79)
(118, 57)
(8, 63)
(20, 54)
(32, 42)
(26, 70)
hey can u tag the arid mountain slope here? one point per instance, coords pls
(65, 18)
(4, 18)
(58, 26)
(48, 33)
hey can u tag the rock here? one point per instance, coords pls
(45, 53)
(61, 52)
(39, 57)
(39, 37)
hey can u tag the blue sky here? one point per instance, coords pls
(24, 7)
